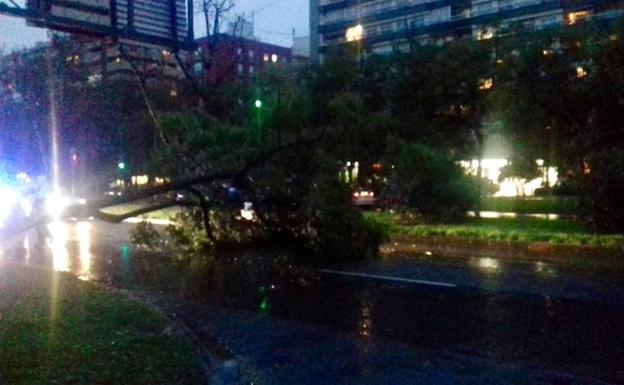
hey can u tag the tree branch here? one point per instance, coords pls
(143, 87)
(113, 218)
(203, 203)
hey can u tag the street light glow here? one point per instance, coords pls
(121, 165)
(258, 103)
(8, 200)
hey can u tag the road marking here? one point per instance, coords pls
(386, 278)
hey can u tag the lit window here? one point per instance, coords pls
(577, 17)
(240, 69)
(173, 93)
(355, 33)
(198, 68)
(94, 79)
(546, 52)
(485, 35)
(166, 53)
(486, 84)
(251, 69)
(251, 54)
(274, 58)
(580, 72)
(266, 57)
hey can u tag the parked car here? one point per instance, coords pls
(364, 198)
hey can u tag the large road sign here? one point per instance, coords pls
(162, 22)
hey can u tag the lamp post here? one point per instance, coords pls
(73, 166)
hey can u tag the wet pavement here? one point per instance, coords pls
(412, 320)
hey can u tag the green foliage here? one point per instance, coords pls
(603, 191)
(542, 205)
(199, 143)
(431, 183)
(144, 235)
(187, 235)
(504, 229)
(296, 195)
(335, 230)
(520, 167)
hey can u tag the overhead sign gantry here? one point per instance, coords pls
(160, 22)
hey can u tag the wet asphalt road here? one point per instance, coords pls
(529, 315)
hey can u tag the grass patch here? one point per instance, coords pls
(55, 329)
(538, 205)
(504, 229)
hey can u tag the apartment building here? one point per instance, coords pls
(108, 59)
(233, 57)
(384, 25)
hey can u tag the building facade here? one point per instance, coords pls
(384, 25)
(233, 58)
(107, 59)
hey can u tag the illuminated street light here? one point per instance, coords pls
(486, 84)
(122, 165)
(258, 103)
(355, 33)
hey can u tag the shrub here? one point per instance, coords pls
(336, 230)
(602, 193)
(431, 183)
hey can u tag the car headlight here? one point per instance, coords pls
(56, 204)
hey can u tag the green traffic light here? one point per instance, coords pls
(121, 165)
(258, 103)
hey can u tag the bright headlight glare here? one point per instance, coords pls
(8, 199)
(56, 204)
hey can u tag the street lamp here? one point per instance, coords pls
(122, 166)
(258, 103)
(74, 164)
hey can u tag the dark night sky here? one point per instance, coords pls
(274, 21)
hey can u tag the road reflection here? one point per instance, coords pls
(83, 231)
(61, 246)
(486, 264)
(27, 251)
